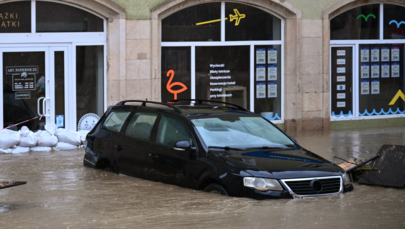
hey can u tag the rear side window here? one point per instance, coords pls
(140, 126)
(171, 131)
(115, 120)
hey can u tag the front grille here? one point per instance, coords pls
(303, 187)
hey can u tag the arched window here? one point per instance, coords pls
(227, 52)
(367, 62)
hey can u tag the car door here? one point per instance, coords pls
(132, 147)
(166, 163)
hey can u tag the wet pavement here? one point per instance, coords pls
(62, 193)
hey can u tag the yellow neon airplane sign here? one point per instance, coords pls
(237, 17)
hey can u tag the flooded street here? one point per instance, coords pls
(62, 193)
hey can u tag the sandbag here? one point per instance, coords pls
(83, 135)
(67, 136)
(5, 150)
(44, 138)
(28, 138)
(65, 146)
(20, 149)
(51, 128)
(9, 138)
(40, 149)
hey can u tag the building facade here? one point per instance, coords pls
(303, 65)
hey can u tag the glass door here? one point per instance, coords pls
(33, 85)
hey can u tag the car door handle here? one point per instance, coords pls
(154, 156)
(119, 148)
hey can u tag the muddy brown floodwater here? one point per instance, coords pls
(62, 193)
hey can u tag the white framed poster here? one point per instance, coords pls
(395, 70)
(395, 54)
(365, 55)
(341, 87)
(272, 90)
(385, 70)
(341, 95)
(375, 70)
(375, 54)
(341, 53)
(341, 61)
(385, 54)
(341, 79)
(260, 56)
(272, 72)
(375, 87)
(260, 73)
(365, 71)
(365, 87)
(272, 56)
(341, 104)
(260, 90)
(341, 70)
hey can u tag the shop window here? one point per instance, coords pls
(370, 70)
(359, 23)
(394, 22)
(15, 17)
(244, 66)
(54, 17)
(185, 24)
(89, 80)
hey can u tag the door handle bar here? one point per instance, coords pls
(43, 107)
(38, 105)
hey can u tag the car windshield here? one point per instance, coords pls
(236, 132)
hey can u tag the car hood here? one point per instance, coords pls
(277, 164)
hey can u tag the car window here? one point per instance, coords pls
(171, 131)
(140, 126)
(115, 120)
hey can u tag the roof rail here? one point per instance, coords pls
(200, 102)
(122, 103)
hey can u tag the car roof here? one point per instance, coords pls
(188, 108)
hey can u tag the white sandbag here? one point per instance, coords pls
(51, 128)
(67, 136)
(65, 146)
(44, 138)
(28, 138)
(40, 149)
(83, 135)
(9, 138)
(5, 150)
(20, 149)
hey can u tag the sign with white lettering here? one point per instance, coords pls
(385, 54)
(23, 95)
(272, 90)
(272, 56)
(260, 56)
(395, 70)
(385, 70)
(260, 72)
(365, 54)
(365, 71)
(375, 54)
(375, 87)
(365, 87)
(261, 90)
(375, 70)
(272, 72)
(24, 82)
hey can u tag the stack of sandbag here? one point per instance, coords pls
(46, 139)
(83, 135)
(8, 140)
(67, 140)
(28, 139)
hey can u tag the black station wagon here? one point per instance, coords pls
(211, 146)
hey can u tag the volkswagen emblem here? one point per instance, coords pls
(316, 186)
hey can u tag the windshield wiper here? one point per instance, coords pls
(225, 148)
(269, 147)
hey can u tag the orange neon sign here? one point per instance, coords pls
(169, 85)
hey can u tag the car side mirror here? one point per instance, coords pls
(294, 140)
(182, 145)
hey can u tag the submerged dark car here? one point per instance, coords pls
(210, 146)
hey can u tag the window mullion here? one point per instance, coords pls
(381, 22)
(33, 16)
(223, 22)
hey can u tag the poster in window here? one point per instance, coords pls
(341, 70)
(375, 70)
(375, 87)
(272, 56)
(341, 87)
(365, 71)
(375, 54)
(395, 54)
(365, 87)
(341, 61)
(341, 79)
(341, 95)
(365, 54)
(272, 72)
(261, 90)
(341, 52)
(341, 104)
(385, 54)
(260, 56)
(272, 86)
(395, 70)
(385, 70)
(260, 72)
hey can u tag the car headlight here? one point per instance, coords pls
(262, 184)
(346, 179)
